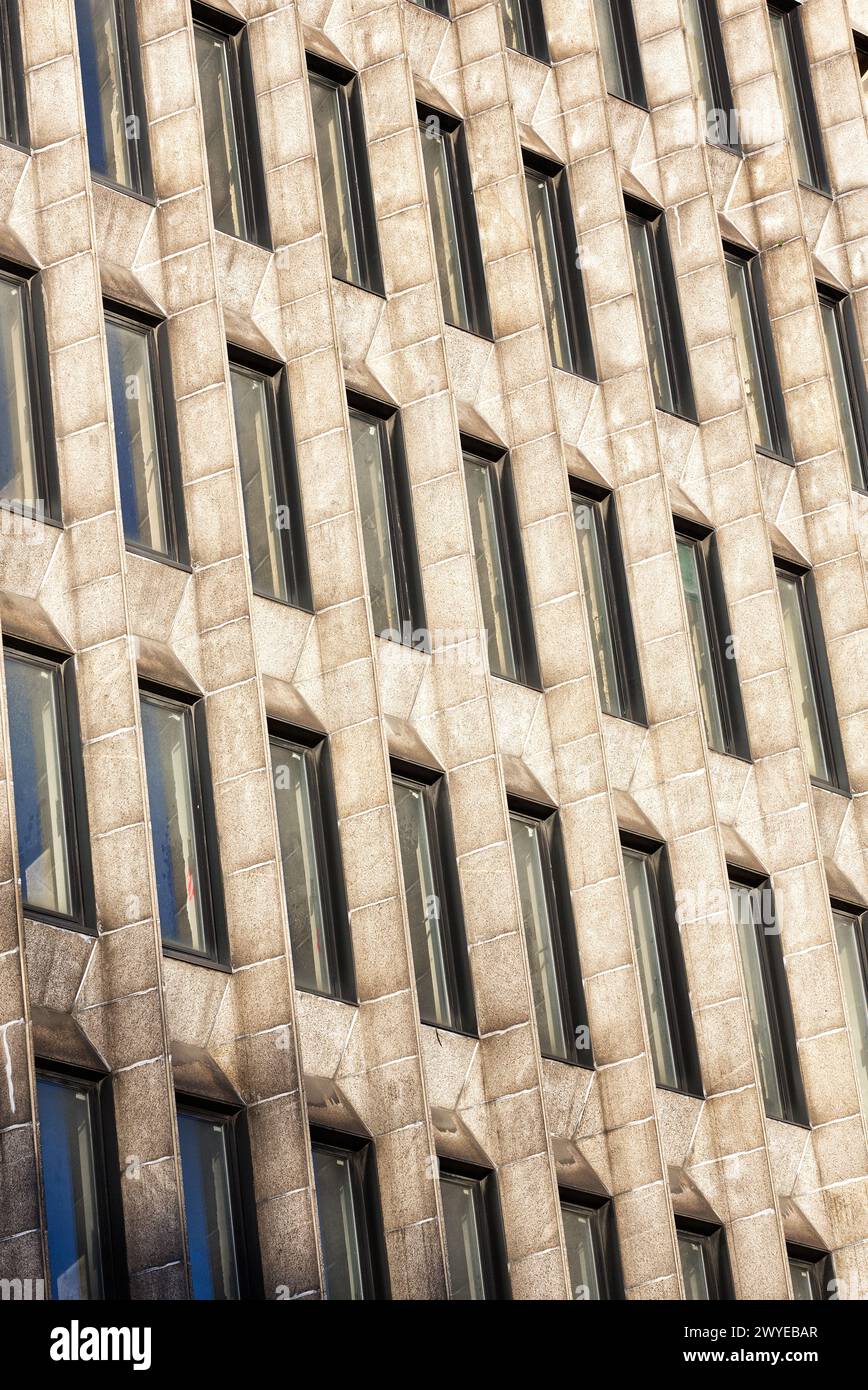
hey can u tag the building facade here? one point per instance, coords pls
(434, 460)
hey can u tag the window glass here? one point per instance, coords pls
(609, 49)
(741, 305)
(40, 786)
(543, 213)
(136, 438)
(253, 431)
(367, 439)
(335, 179)
(697, 54)
(338, 1224)
(19, 480)
(790, 96)
(438, 179)
(538, 932)
(580, 1238)
(513, 25)
(807, 706)
(490, 569)
(308, 923)
(642, 913)
(700, 641)
(208, 1207)
(461, 1214)
(594, 562)
(758, 1004)
(803, 1284)
(691, 1250)
(66, 1142)
(102, 78)
(423, 906)
(847, 934)
(655, 338)
(171, 778)
(841, 389)
(221, 141)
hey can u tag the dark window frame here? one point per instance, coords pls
(133, 94)
(489, 1219)
(14, 93)
(107, 1169)
(572, 286)
(818, 661)
(854, 371)
(571, 990)
(440, 7)
(790, 10)
(293, 539)
(509, 540)
(778, 1001)
(718, 71)
(444, 864)
(468, 244)
(625, 651)
(715, 1256)
(821, 1270)
(217, 955)
(362, 1155)
(629, 58)
(536, 38)
(770, 377)
(29, 283)
(672, 963)
(607, 1258)
(348, 87)
(234, 34)
(166, 420)
(330, 864)
(713, 597)
(239, 1163)
(402, 525)
(677, 358)
(860, 44)
(76, 823)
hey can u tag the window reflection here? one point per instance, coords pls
(70, 1184)
(167, 734)
(208, 1207)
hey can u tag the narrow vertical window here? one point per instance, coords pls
(797, 95)
(312, 869)
(768, 1000)
(619, 48)
(13, 103)
(342, 155)
(142, 408)
(613, 644)
(809, 672)
(659, 309)
(662, 976)
(550, 938)
(474, 1239)
(388, 532)
(350, 1224)
(711, 641)
(114, 110)
(560, 278)
(269, 479)
(860, 42)
(709, 71)
(812, 1274)
(704, 1261)
(433, 901)
(231, 130)
(189, 892)
(851, 941)
(848, 380)
(27, 465)
(214, 1169)
(756, 354)
(589, 1233)
(524, 28)
(440, 7)
(453, 222)
(500, 571)
(77, 1165)
(50, 814)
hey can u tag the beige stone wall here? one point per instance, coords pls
(413, 1088)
